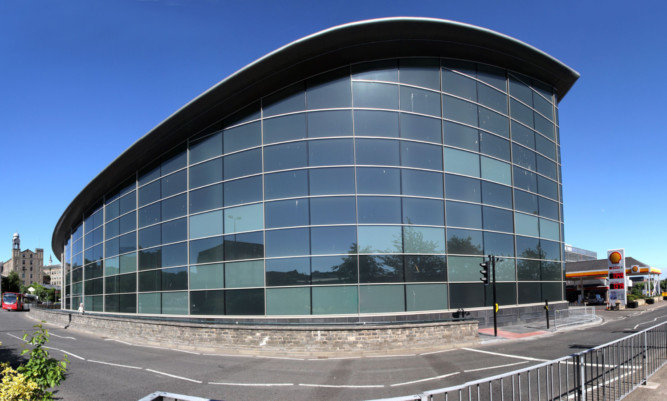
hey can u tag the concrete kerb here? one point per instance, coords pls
(286, 341)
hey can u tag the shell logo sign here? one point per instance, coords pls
(635, 269)
(615, 257)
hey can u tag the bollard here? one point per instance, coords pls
(546, 310)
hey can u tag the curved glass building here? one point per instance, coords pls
(363, 170)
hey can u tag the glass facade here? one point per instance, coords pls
(374, 188)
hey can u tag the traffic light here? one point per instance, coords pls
(485, 272)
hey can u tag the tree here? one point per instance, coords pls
(11, 283)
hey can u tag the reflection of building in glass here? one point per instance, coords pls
(573, 254)
(364, 169)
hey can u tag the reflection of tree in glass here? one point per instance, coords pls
(530, 269)
(347, 270)
(423, 264)
(465, 246)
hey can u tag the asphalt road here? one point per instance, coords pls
(104, 368)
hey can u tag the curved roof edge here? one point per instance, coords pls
(328, 49)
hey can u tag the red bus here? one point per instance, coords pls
(12, 301)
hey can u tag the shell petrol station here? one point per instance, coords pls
(603, 281)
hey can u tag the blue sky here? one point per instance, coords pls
(81, 80)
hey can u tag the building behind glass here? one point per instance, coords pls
(364, 170)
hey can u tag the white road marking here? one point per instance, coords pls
(113, 339)
(174, 376)
(17, 337)
(494, 367)
(437, 352)
(639, 324)
(507, 355)
(389, 356)
(425, 380)
(254, 384)
(283, 357)
(340, 386)
(154, 347)
(71, 354)
(334, 358)
(115, 364)
(55, 335)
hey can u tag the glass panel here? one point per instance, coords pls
(466, 295)
(384, 70)
(547, 167)
(423, 211)
(530, 293)
(287, 242)
(460, 162)
(332, 240)
(244, 302)
(331, 181)
(128, 242)
(544, 126)
(288, 213)
(330, 123)
(372, 180)
(128, 262)
(288, 301)
(150, 281)
(381, 269)
(464, 242)
(244, 218)
(335, 300)
(242, 137)
(335, 269)
(175, 279)
(149, 193)
(330, 152)
(175, 303)
(549, 229)
(495, 170)
(339, 210)
(111, 211)
(329, 90)
(206, 173)
(149, 237)
(375, 95)
(379, 209)
(381, 298)
(175, 230)
(459, 110)
(421, 183)
(459, 85)
(243, 163)
(421, 128)
(174, 207)
(461, 136)
(506, 270)
(420, 72)
(521, 113)
(150, 303)
(493, 122)
(111, 230)
(243, 191)
(203, 277)
(552, 291)
(207, 302)
(492, 98)
(419, 268)
(244, 246)
(111, 266)
(174, 255)
(498, 244)
(174, 183)
(206, 224)
(526, 225)
(380, 239)
(523, 135)
(290, 99)
(525, 179)
(129, 221)
(464, 268)
(128, 202)
(128, 282)
(244, 274)
(421, 155)
(206, 198)
(462, 188)
(426, 297)
(420, 101)
(523, 157)
(206, 148)
(547, 187)
(463, 215)
(525, 202)
(286, 184)
(545, 146)
(497, 219)
(424, 240)
(206, 250)
(494, 146)
(375, 123)
(377, 152)
(548, 208)
(285, 156)
(291, 271)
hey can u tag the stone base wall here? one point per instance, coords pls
(319, 340)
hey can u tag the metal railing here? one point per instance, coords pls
(606, 372)
(574, 315)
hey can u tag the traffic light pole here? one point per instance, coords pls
(495, 305)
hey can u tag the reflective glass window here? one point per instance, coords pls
(206, 250)
(203, 277)
(421, 183)
(375, 95)
(520, 90)
(335, 300)
(421, 155)
(459, 85)
(128, 262)
(463, 215)
(492, 98)
(548, 208)
(243, 163)
(288, 301)
(493, 76)
(243, 191)
(291, 271)
(423, 240)
(461, 136)
(206, 173)
(338, 210)
(426, 297)
(206, 198)
(523, 157)
(244, 302)
(242, 137)
(525, 179)
(330, 152)
(244, 274)
(372, 180)
(463, 268)
(244, 246)
(547, 187)
(292, 98)
(334, 269)
(111, 211)
(285, 128)
(207, 302)
(459, 110)
(150, 303)
(526, 225)
(329, 90)
(525, 202)
(493, 145)
(549, 229)
(497, 219)
(206, 224)
(466, 295)
(149, 193)
(380, 239)
(421, 128)
(545, 146)
(377, 152)
(381, 269)
(464, 242)
(128, 202)
(128, 222)
(286, 184)
(550, 250)
(498, 244)
(547, 167)
(544, 126)
(462, 188)
(128, 242)
(420, 72)
(149, 214)
(493, 122)
(460, 162)
(287, 242)
(420, 268)
(174, 207)
(111, 229)
(332, 240)
(244, 218)
(287, 213)
(523, 135)
(174, 183)
(423, 211)
(150, 281)
(175, 303)
(285, 156)
(111, 266)
(495, 170)
(381, 298)
(530, 293)
(375, 123)
(420, 101)
(206, 148)
(175, 279)
(331, 181)
(329, 123)
(174, 231)
(384, 70)
(377, 209)
(552, 291)
(543, 106)
(174, 255)
(521, 113)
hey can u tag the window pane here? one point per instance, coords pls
(423, 211)
(423, 240)
(244, 246)
(460, 162)
(523, 157)
(544, 126)
(375, 123)
(206, 148)
(242, 137)
(150, 303)
(338, 210)
(286, 184)
(331, 181)
(175, 279)
(384, 70)
(149, 193)
(244, 274)
(330, 152)
(461, 136)
(293, 212)
(549, 229)
(243, 191)
(466, 295)
(334, 269)
(375, 95)
(242, 164)
(332, 240)
(244, 302)
(422, 183)
(174, 255)
(286, 100)
(497, 219)
(291, 271)
(149, 214)
(426, 297)
(495, 170)
(523, 135)
(330, 123)
(174, 207)
(463, 215)
(525, 179)
(128, 262)
(372, 180)
(494, 146)
(379, 209)
(498, 244)
(545, 146)
(547, 167)
(530, 293)
(381, 269)
(288, 301)
(335, 300)
(174, 183)
(206, 250)
(207, 302)
(420, 101)
(492, 98)
(377, 152)
(287, 242)
(206, 224)
(521, 113)
(206, 198)
(459, 85)
(421, 128)
(462, 188)
(464, 242)
(528, 248)
(497, 195)
(150, 281)
(128, 202)
(459, 110)
(203, 277)
(526, 225)
(380, 239)
(464, 268)
(421, 155)
(493, 122)
(175, 303)
(420, 268)
(548, 208)
(547, 187)
(329, 90)
(129, 222)
(381, 298)
(420, 72)
(285, 156)
(244, 218)
(206, 173)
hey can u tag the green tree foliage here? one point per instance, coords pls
(41, 368)
(11, 283)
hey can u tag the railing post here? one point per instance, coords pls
(582, 377)
(645, 364)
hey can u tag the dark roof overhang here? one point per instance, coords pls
(320, 52)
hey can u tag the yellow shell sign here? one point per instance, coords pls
(615, 257)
